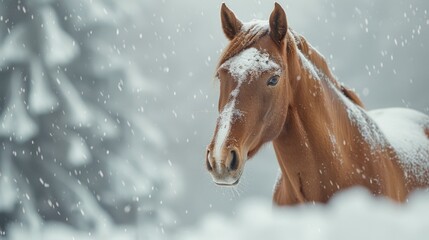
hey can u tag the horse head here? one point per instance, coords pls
(254, 92)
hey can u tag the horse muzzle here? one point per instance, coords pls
(225, 168)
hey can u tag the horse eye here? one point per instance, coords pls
(273, 81)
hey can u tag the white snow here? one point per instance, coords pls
(404, 129)
(7, 185)
(335, 152)
(250, 61)
(78, 113)
(41, 98)
(15, 120)
(369, 130)
(226, 117)
(59, 47)
(256, 25)
(353, 214)
(244, 67)
(78, 153)
(356, 114)
(359, 117)
(13, 47)
(57, 231)
(311, 68)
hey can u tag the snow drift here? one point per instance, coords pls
(354, 214)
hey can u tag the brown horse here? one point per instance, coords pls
(275, 87)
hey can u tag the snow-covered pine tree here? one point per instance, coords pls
(76, 147)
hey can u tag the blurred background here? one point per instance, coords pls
(106, 107)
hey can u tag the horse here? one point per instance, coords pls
(276, 87)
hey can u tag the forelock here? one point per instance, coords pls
(249, 34)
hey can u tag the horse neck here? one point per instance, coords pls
(318, 125)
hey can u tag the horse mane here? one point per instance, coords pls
(320, 63)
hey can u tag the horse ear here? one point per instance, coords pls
(230, 24)
(278, 24)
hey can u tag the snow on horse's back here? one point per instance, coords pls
(407, 131)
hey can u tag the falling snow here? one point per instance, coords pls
(106, 110)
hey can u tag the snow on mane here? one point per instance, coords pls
(245, 66)
(403, 129)
(369, 130)
(309, 66)
(256, 25)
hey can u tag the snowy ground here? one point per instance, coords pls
(351, 215)
(354, 214)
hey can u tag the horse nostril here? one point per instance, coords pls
(234, 161)
(209, 166)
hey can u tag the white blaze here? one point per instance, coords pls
(225, 119)
(245, 66)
